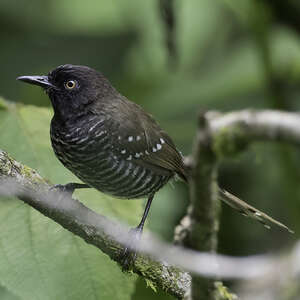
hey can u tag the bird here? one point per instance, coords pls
(111, 144)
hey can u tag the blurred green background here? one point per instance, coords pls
(230, 54)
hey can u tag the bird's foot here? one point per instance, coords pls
(129, 254)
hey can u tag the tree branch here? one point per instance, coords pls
(204, 212)
(80, 220)
(232, 132)
(198, 230)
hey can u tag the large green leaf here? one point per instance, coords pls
(6, 295)
(38, 258)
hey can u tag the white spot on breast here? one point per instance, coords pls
(123, 151)
(138, 138)
(129, 157)
(130, 138)
(158, 146)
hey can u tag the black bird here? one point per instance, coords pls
(108, 142)
(111, 143)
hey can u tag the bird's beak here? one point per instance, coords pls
(42, 81)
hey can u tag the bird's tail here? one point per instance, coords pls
(238, 204)
(249, 211)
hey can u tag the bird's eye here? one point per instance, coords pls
(70, 84)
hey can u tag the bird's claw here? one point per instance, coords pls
(129, 253)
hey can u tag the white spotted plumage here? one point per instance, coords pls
(162, 140)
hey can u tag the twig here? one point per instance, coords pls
(232, 132)
(202, 221)
(205, 207)
(80, 220)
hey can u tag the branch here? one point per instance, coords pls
(80, 220)
(232, 132)
(198, 230)
(108, 236)
(204, 213)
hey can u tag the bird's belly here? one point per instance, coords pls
(95, 164)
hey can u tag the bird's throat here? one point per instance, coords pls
(65, 113)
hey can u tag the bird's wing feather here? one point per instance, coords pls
(141, 139)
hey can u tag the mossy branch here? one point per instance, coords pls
(232, 132)
(204, 213)
(80, 220)
(199, 228)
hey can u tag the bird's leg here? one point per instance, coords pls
(129, 253)
(70, 187)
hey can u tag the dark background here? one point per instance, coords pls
(229, 55)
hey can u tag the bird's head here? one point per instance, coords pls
(72, 89)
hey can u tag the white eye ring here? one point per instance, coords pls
(70, 84)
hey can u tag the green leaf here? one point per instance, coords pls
(38, 258)
(6, 295)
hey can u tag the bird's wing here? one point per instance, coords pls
(141, 139)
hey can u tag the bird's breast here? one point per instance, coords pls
(87, 149)
(79, 145)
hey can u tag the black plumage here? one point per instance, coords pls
(107, 141)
